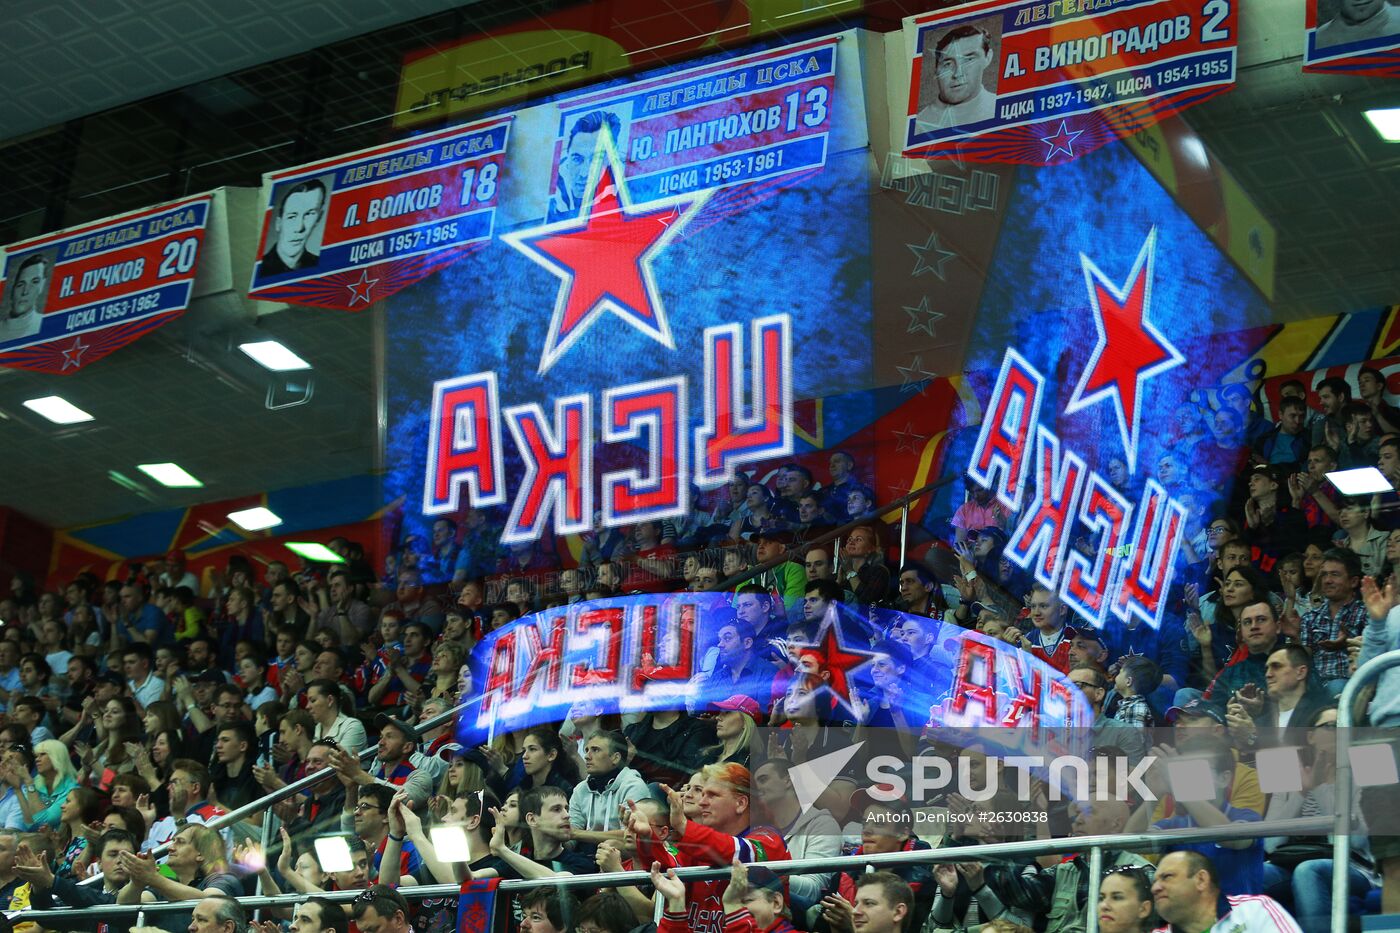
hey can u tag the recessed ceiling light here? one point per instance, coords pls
(318, 553)
(274, 356)
(1362, 481)
(255, 519)
(1386, 120)
(169, 474)
(58, 410)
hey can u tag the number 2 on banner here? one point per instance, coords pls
(1216, 11)
(177, 257)
(485, 186)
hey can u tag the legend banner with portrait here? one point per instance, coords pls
(345, 232)
(1355, 37)
(1045, 82)
(72, 297)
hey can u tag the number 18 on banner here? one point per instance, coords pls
(349, 231)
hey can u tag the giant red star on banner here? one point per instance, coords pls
(1130, 350)
(604, 257)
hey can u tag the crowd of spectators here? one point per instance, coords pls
(138, 710)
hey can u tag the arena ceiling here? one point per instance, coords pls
(67, 60)
(1297, 143)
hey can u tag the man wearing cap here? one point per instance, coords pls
(596, 802)
(1272, 524)
(175, 573)
(391, 767)
(787, 580)
(1087, 647)
(437, 745)
(1201, 717)
(397, 742)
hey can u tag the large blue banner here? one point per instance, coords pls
(639, 653)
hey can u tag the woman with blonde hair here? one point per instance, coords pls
(41, 800)
(465, 775)
(734, 724)
(444, 675)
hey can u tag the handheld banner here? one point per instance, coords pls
(641, 653)
(743, 120)
(1358, 37)
(346, 232)
(1045, 82)
(72, 297)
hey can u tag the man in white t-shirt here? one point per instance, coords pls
(1186, 892)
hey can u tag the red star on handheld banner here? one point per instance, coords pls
(838, 661)
(604, 256)
(1130, 350)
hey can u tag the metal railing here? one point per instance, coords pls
(265, 803)
(1341, 838)
(449, 717)
(1096, 846)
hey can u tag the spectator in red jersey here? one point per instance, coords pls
(753, 901)
(1050, 638)
(720, 833)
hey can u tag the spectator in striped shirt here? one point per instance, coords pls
(1186, 892)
